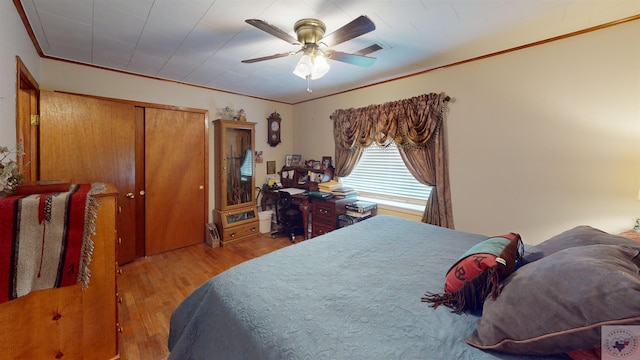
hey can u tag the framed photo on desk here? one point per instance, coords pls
(296, 159)
(326, 162)
(288, 160)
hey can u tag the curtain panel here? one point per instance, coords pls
(417, 127)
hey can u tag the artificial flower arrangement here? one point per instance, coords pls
(10, 175)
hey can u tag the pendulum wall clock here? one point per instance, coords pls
(273, 123)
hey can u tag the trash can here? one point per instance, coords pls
(265, 220)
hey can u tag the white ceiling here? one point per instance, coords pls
(202, 42)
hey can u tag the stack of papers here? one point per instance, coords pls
(329, 186)
(293, 191)
(344, 192)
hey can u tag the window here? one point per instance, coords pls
(382, 175)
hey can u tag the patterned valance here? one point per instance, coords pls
(411, 123)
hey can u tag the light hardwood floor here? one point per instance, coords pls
(152, 287)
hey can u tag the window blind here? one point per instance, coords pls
(381, 173)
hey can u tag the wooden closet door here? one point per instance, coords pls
(86, 140)
(175, 214)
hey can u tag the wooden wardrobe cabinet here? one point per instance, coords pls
(236, 213)
(156, 157)
(69, 323)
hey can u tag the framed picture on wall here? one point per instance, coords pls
(288, 160)
(271, 167)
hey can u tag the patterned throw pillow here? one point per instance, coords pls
(477, 274)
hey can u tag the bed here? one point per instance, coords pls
(354, 293)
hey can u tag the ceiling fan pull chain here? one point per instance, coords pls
(309, 84)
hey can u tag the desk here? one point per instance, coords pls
(302, 200)
(324, 212)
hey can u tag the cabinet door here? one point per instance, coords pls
(175, 214)
(86, 140)
(234, 164)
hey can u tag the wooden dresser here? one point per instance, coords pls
(68, 323)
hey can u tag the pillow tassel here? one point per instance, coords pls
(454, 300)
(493, 283)
(471, 296)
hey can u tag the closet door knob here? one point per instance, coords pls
(130, 195)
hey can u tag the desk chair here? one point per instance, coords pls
(289, 217)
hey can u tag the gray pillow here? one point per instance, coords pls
(578, 236)
(558, 303)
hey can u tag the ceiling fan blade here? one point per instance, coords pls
(275, 56)
(353, 59)
(368, 50)
(266, 27)
(360, 26)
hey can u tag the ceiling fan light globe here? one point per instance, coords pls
(304, 66)
(299, 74)
(320, 67)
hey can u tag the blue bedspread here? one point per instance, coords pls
(351, 294)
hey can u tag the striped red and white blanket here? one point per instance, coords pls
(45, 239)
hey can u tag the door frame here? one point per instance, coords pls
(27, 120)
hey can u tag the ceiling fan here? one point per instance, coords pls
(315, 45)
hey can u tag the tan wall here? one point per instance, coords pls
(540, 140)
